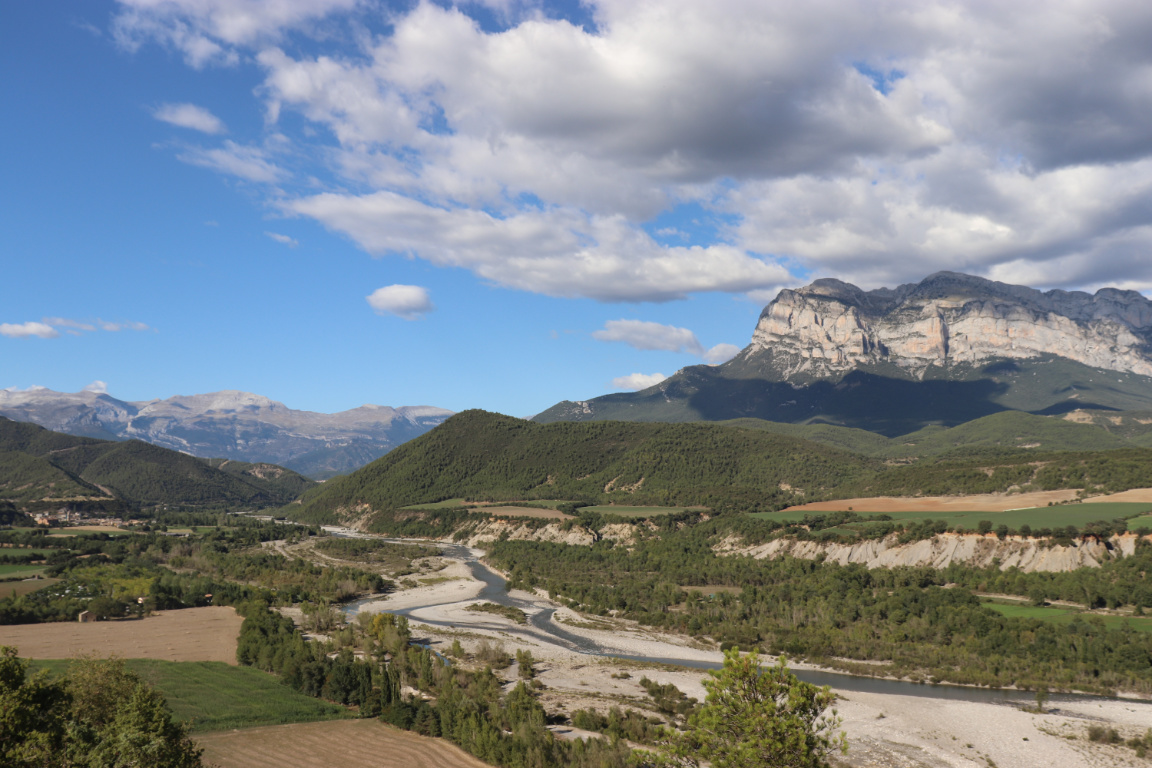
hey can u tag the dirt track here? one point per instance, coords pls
(193, 634)
(342, 743)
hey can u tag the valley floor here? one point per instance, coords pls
(883, 729)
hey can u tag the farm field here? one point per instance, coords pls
(486, 505)
(358, 743)
(19, 570)
(37, 551)
(622, 511)
(27, 587)
(1143, 521)
(192, 634)
(1062, 615)
(213, 696)
(510, 511)
(988, 502)
(1036, 517)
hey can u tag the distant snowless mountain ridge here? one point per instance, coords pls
(230, 424)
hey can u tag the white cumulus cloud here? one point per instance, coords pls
(245, 162)
(407, 301)
(644, 335)
(291, 242)
(97, 386)
(189, 116)
(721, 353)
(871, 142)
(555, 252)
(638, 381)
(209, 31)
(25, 330)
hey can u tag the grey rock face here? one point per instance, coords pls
(830, 327)
(230, 424)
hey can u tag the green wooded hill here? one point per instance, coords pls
(880, 398)
(743, 466)
(1004, 430)
(476, 454)
(41, 469)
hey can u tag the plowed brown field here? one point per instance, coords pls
(193, 634)
(340, 744)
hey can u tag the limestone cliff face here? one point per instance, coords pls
(831, 327)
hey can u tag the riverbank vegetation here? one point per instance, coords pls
(926, 624)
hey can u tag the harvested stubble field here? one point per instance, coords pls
(987, 502)
(345, 743)
(193, 634)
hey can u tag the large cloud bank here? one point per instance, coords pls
(876, 142)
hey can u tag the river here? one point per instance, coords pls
(542, 627)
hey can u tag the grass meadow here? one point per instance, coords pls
(634, 512)
(19, 570)
(1066, 615)
(20, 588)
(212, 696)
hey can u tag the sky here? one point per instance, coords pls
(502, 204)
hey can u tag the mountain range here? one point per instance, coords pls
(230, 424)
(45, 470)
(944, 351)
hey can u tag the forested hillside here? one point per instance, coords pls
(40, 468)
(743, 466)
(1005, 430)
(483, 455)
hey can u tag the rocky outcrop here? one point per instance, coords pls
(979, 551)
(831, 327)
(230, 424)
(493, 530)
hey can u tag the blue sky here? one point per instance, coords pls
(505, 204)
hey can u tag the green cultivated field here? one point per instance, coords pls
(19, 571)
(37, 551)
(476, 507)
(19, 588)
(622, 511)
(1144, 521)
(1062, 615)
(1036, 517)
(214, 697)
(446, 504)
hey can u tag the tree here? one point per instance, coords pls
(32, 714)
(100, 715)
(757, 716)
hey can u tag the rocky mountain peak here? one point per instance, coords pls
(830, 327)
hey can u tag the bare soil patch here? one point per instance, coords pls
(344, 743)
(192, 634)
(987, 502)
(1135, 495)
